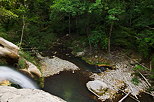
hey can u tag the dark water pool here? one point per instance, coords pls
(70, 86)
(142, 98)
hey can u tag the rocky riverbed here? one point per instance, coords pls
(118, 80)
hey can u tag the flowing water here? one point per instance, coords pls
(7, 73)
(67, 85)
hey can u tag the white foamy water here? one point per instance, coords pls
(7, 73)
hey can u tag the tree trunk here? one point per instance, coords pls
(87, 32)
(150, 65)
(22, 32)
(76, 25)
(69, 31)
(109, 39)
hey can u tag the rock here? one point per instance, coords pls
(5, 83)
(8, 49)
(97, 86)
(11, 51)
(31, 69)
(80, 53)
(11, 94)
(55, 65)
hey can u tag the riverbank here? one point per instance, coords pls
(119, 80)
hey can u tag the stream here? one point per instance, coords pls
(72, 86)
(67, 85)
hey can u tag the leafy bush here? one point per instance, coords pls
(38, 39)
(145, 42)
(98, 39)
(139, 67)
(124, 37)
(2, 32)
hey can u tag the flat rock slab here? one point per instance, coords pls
(56, 65)
(11, 94)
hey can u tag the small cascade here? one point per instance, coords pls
(7, 73)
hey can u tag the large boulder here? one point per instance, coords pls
(11, 94)
(55, 65)
(8, 49)
(97, 86)
(31, 69)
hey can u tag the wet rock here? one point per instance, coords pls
(8, 49)
(31, 69)
(11, 94)
(97, 86)
(5, 83)
(80, 53)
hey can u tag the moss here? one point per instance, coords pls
(3, 61)
(28, 57)
(21, 63)
(41, 82)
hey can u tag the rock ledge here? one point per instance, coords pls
(11, 94)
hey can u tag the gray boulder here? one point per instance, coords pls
(11, 94)
(97, 86)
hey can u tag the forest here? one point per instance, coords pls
(97, 26)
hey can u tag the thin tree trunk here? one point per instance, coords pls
(22, 32)
(69, 24)
(109, 39)
(150, 65)
(87, 32)
(76, 25)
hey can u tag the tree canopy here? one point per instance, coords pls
(103, 23)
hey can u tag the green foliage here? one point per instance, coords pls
(139, 68)
(7, 13)
(135, 81)
(124, 37)
(113, 13)
(98, 39)
(41, 40)
(145, 42)
(28, 57)
(78, 44)
(22, 63)
(45, 20)
(2, 32)
(73, 7)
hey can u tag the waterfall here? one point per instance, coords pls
(7, 73)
